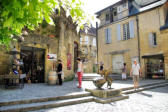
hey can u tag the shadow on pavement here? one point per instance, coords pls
(145, 94)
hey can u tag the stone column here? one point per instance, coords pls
(61, 48)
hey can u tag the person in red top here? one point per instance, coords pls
(79, 72)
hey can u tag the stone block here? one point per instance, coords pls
(105, 93)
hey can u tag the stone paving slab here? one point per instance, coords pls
(155, 100)
(33, 91)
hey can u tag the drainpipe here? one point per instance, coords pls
(139, 52)
(97, 43)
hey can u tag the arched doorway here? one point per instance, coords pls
(75, 55)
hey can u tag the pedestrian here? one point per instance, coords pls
(80, 72)
(59, 71)
(135, 72)
(101, 67)
(124, 72)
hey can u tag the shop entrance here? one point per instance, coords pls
(34, 63)
(155, 67)
(75, 56)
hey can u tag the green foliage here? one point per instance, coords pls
(18, 14)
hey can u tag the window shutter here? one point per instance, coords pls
(106, 35)
(94, 41)
(109, 35)
(118, 32)
(150, 39)
(131, 28)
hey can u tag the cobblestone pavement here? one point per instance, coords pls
(155, 100)
(32, 91)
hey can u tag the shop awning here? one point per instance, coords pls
(153, 56)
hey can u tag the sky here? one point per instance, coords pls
(93, 6)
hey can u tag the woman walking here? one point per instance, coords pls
(80, 72)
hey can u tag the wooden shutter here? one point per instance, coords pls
(106, 35)
(131, 28)
(150, 38)
(118, 32)
(109, 35)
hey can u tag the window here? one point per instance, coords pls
(108, 35)
(86, 40)
(94, 53)
(85, 50)
(107, 17)
(115, 12)
(152, 39)
(124, 5)
(81, 40)
(94, 41)
(126, 31)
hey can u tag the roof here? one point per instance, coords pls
(137, 6)
(91, 31)
(166, 24)
(109, 7)
(143, 3)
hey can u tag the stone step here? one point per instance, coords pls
(45, 105)
(152, 84)
(130, 91)
(77, 95)
(109, 100)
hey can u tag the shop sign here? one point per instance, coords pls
(52, 57)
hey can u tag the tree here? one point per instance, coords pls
(18, 14)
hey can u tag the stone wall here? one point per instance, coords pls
(90, 64)
(57, 39)
(127, 48)
(149, 22)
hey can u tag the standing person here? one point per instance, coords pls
(59, 71)
(101, 67)
(124, 72)
(79, 72)
(135, 72)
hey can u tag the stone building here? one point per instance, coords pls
(134, 29)
(42, 45)
(88, 47)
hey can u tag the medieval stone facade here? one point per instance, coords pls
(136, 35)
(89, 50)
(60, 40)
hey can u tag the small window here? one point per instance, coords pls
(126, 31)
(115, 13)
(124, 5)
(152, 39)
(107, 17)
(81, 40)
(86, 40)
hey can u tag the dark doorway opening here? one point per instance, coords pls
(75, 55)
(34, 63)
